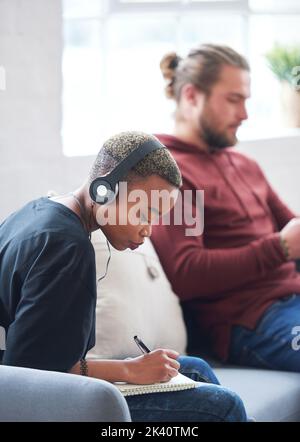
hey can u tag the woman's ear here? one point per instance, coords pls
(106, 214)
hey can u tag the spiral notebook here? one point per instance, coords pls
(179, 382)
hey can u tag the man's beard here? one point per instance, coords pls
(215, 141)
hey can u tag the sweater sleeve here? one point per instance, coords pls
(280, 211)
(196, 271)
(52, 324)
(53, 321)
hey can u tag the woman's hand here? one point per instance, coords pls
(157, 366)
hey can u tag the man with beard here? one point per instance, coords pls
(237, 282)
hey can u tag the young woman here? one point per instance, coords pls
(48, 281)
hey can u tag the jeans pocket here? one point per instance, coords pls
(289, 298)
(267, 315)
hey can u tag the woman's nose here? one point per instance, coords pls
(146, 231)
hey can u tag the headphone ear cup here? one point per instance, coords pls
(111, 195)
(101, 191)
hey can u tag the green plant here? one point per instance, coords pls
(282, 60)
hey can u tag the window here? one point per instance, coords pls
(112, 51)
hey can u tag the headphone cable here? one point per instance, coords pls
(107, 263)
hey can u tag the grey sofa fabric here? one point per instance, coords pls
(35, 395)
(269, 396)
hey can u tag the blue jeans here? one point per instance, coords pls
(211, 403)
(274, 343)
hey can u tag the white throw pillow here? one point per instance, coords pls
(135, 298)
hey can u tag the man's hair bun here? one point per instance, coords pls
(168, 66)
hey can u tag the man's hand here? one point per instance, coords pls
(157, 366)
(291, 235)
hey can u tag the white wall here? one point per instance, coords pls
(280, 159)
(31, 159)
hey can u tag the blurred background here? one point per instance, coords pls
(74, 72)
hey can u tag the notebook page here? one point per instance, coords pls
(179, 382)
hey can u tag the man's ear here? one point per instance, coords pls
(191, 94)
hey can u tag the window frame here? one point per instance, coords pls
(241, 6)
(178, 9)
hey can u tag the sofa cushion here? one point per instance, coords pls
(135, 298)
(269, 396)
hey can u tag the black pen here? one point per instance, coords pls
(141, 345)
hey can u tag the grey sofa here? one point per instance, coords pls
(35, 395)
(269, 396)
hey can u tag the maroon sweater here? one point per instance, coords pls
(237, 268)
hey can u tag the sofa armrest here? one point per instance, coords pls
(35, 395)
